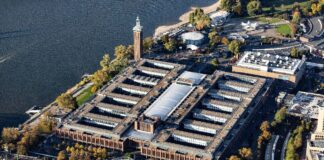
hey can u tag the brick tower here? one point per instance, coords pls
(138, 40)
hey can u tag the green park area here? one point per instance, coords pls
(84, 96)
(276, 6)
(284, 29)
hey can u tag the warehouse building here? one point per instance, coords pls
(167, 112)
(271, 65)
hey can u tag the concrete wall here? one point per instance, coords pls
(291, 78)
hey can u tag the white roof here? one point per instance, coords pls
(192, 47)
(270, 62)
(192, 36)
(218, 14)
(169, 101)
(193, 76)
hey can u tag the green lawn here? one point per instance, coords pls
(84, 96)
(282, 5)
(283, 29)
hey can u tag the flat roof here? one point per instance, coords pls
(169, 101)
(192, 36)
(306, 104)
(196, 78)
(269, 62)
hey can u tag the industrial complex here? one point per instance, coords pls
(167, 112)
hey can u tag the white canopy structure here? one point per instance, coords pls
(248, 26)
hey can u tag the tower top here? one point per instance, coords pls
(138, 27)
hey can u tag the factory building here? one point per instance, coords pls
(167, 112)
(271, 65)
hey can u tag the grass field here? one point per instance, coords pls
(283, 5)
(283, 29)
(84, 96)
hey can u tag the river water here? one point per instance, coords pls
(47, 45)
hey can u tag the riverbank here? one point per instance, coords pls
(185, 18)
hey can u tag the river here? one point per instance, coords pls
(47, 45)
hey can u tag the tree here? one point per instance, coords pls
(147, 43)
(66, 100)
(61, 156)
(214, 62)
(199, 19)
(237, 9)
(21, 149)
(170, 45)
(234, 158)
(298, 141)
(105, 62)
(100, 77)
(280, 115)
(254, 7)
(293, 28)
(265, 126)
(122, 52)
(314, 8)
(260, 141)
(294, 52)
(246, 153)
(214, 38)
(227, 5)
(266, 135)
(165, 38)
(203, 22)
(225, 41)
(296, 17)
(45, 125)
(234, 47)
(9, 135)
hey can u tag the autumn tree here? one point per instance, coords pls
(234, 157)
(100, 77)
(66, 100)
(227, 5)
(122, 52)
(254, 7)
(237, 8)
(280, 115)
(214, 38)
(234, 47)
(294, 52)
(265, 126)
(105, 62)
(21, 149)
(9, 135)
(61, 156)
(293, 28)
(170, 45)
(296, 17)
(225, 41)
(246, 153)
(46, 125)
(199, 19)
